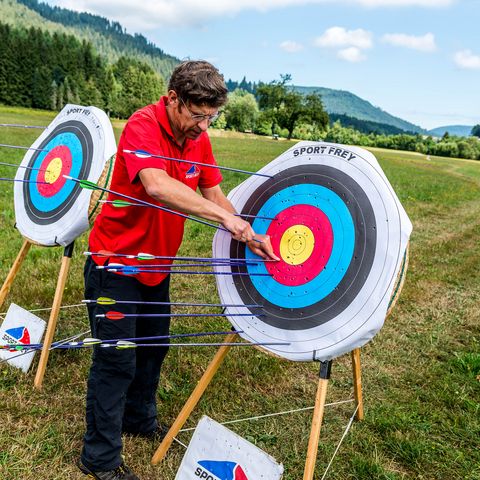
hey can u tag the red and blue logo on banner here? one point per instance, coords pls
(220, 470)
(17, 335)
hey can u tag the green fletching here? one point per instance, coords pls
(88, 185)
(145, 256)
(121, 203)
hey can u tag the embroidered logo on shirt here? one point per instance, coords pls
(193, 172)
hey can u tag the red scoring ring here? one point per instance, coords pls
(319, 224)
(51, 189)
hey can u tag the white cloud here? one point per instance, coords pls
(351, 54)
(150, 14)
(291, 46)
(340, 37)
(467, 59)
(425, 43)
(406, 3)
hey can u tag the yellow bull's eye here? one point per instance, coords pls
(297, 244)
(53, 170)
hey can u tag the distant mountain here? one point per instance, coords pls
(109, 38)
(341, 102)
(455, 130)
(365, 126)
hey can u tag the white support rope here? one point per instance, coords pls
(340, 442)
(180, 443)
(49, 308)
(272, 414)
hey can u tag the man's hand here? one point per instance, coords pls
(239, 228)
(263, 249)
(243, 232)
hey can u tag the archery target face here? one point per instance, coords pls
(340, 231)
(49, 209)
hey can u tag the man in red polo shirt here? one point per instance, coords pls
(122, 385)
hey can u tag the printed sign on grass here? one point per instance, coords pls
(20, 327)
(217, 453)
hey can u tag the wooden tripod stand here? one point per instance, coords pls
(325, 368)
(57, 302)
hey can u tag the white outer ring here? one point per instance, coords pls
(365, 315)
(71, 225)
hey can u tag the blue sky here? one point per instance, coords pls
(416, 59)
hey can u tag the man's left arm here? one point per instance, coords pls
(263, 248)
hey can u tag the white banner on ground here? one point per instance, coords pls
(20, 327)
(217, 453)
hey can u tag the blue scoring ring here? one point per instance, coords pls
(342, 251)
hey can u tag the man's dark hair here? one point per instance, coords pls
(200, 83)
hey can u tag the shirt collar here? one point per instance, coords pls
(162, 117)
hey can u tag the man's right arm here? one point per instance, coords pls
(169, 191)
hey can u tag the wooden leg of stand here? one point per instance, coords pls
(325, 368)
(52, 321)
(14, 270)
(357, 382)
(193, 400)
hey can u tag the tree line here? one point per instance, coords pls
(47, 71)
(279, 110)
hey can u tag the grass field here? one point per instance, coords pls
(421, 373)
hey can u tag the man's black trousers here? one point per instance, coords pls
(123, 382)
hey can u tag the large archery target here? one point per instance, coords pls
(341, 233)
(49, 209)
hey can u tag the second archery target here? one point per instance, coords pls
(341, 234)
(49, 209)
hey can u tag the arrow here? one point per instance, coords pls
(111, 301)
(177, 265)
(124, 203)
(23, 148)
(145, 154)
(21, 126)
(112, 315)
(96, 341)
(148, 256)
(128, 270)
(88, 185)
(23, 181)
(21, 166)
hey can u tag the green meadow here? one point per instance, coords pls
(421, 373)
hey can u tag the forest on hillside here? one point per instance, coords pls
(47, 71)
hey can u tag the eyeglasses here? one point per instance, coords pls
(198, 117)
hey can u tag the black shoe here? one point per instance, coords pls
(158, 434)
(120, 473)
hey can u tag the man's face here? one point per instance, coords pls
(192, 120)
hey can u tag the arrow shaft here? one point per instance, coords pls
(22, 148)
(135, 152)
(16, 125)
(21, 166)
(143, 202)
(23, 181)
(135, 271)
(177, 315)
(162, 257)
(36, 346)
(181, 304)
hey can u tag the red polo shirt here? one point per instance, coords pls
(131, 230)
